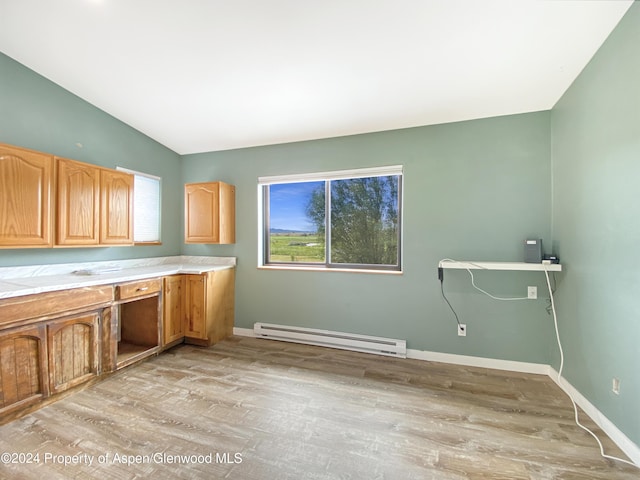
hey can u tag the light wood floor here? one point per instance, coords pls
(272, 410)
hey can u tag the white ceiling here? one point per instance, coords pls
(205, 75)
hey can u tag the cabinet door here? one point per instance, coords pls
(195, 306)
(202, 203)
(209, 212)
(74, 350)
(220, 294)
(210, 301)
(23, 367)
(78, 203)
(116, 208)
(173, 324)
(25, 198)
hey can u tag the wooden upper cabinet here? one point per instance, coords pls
(209, 213)
(25, 198)
(116, 210)
(86, 204)
(78, 221)
(95, 205)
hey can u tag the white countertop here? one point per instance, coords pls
(49, 278)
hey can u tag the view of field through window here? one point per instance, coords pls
(293, 236)
(362, 222)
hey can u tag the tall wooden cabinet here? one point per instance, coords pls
(209, 213)
(25, 198)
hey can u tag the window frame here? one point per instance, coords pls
(327, 177)
(136, 173)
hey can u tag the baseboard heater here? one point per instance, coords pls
(325, 338)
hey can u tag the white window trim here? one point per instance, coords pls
(335, 175)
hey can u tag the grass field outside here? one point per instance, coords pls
(296, 248)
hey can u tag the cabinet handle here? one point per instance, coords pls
(141, 289)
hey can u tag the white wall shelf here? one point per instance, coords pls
(515, 266)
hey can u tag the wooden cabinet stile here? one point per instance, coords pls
(173, 309)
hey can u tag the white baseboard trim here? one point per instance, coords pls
(469, 361)
(619, 438)
(243, 332)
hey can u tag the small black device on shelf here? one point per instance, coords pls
(552, 258)
(533, 251)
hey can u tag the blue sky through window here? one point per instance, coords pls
(287, 205)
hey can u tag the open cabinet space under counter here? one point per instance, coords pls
(136, 328)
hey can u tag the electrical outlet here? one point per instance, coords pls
(532, 292)
(615, 386)
(462, 330)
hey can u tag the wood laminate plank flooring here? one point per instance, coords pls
(253, 409)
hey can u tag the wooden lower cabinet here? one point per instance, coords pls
(173, 311)
(74, 350)
(195, 297)
(209, 306)
(51, 342)
(139, 332)
(23, 367)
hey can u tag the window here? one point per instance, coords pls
(348, 219)
(146, 207)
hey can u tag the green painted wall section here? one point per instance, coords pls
(596, 225)
(472, 190)
(38, 114)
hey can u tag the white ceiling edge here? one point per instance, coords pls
(210, 75)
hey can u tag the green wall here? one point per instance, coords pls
(38, 114)
(472, 190)
(596, 225)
